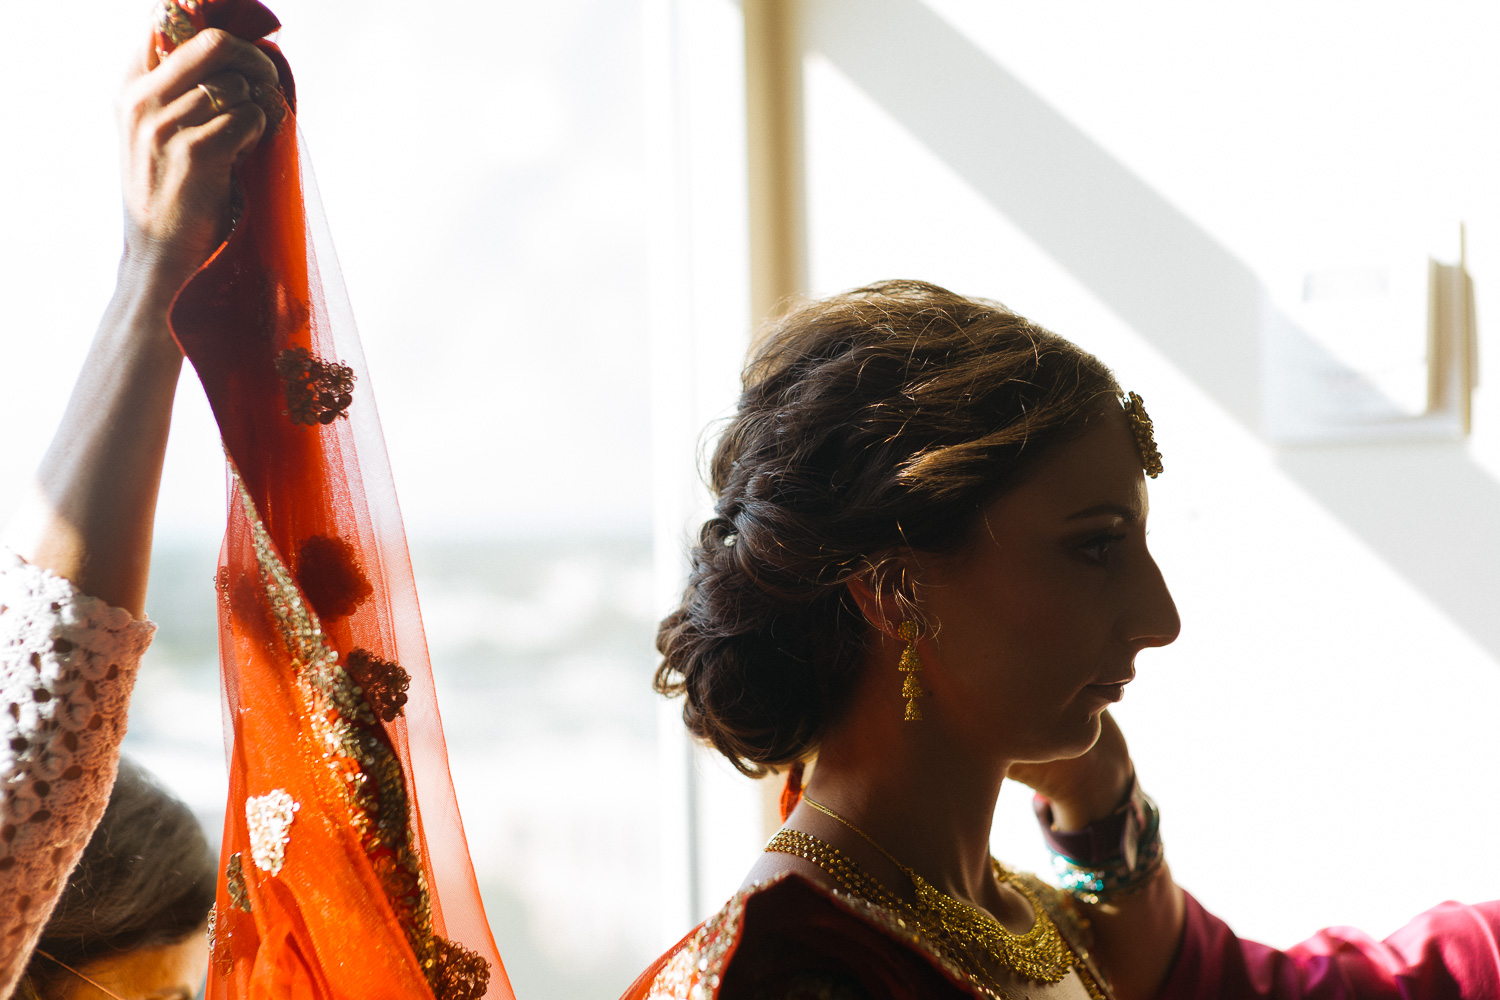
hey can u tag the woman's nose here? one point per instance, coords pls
(1156, 622)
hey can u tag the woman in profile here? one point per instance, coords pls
(928, 570)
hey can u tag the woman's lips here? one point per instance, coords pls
(1110, 691)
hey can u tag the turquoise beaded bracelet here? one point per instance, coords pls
(1113, 856)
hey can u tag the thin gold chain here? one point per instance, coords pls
(970, 937)
(820, 807)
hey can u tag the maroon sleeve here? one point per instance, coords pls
(1451, 952)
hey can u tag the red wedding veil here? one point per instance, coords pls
(344, 869)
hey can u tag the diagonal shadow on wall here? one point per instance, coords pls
(1426, 508)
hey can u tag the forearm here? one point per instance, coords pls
(1136, 937)
(90, 511)
(1138, 931)
(67, 665)
(184, 124)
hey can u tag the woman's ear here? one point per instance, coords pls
(884, 595)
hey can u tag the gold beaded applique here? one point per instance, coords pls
(357, 752)
(234, 882)
(458, 973)
(175, 21)
(218, 947)
(964, 936)
(1144, 431)
(269, 818)
(272, 101)
(383, 682)
(317, 391)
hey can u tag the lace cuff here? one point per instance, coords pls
(67, 665)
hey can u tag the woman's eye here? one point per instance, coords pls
(1096, 549)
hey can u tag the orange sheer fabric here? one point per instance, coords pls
(344, 869)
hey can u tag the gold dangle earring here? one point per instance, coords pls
(910, 666)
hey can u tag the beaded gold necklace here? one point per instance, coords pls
(969, 937)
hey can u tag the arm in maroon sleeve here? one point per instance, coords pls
(1451, 952)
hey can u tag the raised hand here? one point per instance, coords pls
(185, 120)
(1083, 789)
(184, 124)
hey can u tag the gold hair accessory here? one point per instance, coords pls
(910, 665)
(1141, 427)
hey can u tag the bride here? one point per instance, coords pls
(928, 570)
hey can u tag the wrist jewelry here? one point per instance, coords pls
(1111, 857)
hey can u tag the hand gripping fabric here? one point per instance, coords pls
(344, 870)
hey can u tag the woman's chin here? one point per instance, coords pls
(1083, 739)
(1071, 742)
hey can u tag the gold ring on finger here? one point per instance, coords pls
(213, 98)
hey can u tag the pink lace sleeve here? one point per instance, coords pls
(67, 664)
(1448, 953)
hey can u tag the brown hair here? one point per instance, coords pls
(879, 419)
(145, 879)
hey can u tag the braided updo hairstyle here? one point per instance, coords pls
(879, 419)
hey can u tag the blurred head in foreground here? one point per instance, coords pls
(132, 920)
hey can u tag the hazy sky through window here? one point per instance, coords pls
(480, 177)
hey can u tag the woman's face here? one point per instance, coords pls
(1039, 617)
(169, 972)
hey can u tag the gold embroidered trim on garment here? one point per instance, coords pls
(173, 20)
(234, 882)
(695, 969)
(358, 754)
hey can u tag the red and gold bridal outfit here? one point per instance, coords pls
(792, 940)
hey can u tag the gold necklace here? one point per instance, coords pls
(968, 936)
